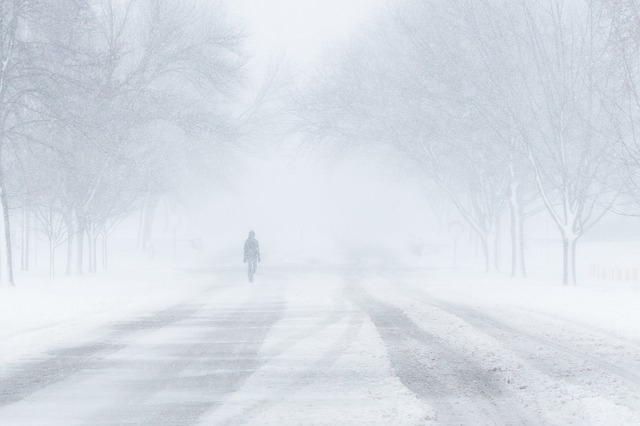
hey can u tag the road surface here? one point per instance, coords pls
(331, 347)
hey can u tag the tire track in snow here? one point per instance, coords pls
(553, 356)
(333, 317)
(461, 390)
(199, 374)
(607, 343)
(558, 359)
(303, 378)
(58, 365)
(63, 363)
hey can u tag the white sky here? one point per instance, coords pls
(300, 206)
(303, 30)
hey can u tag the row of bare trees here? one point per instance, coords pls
(510, 107)
(105, 104)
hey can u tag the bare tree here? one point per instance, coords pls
(53, 226)
(569, 144)
(13, 17)
(622, 100)
(500, 103)
(142, 68)
(423, 105)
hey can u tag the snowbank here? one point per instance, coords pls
(40, 314)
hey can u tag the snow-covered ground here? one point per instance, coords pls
(570, 354)
(40, 314)
(342, 345)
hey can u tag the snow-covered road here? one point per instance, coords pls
(336, 347)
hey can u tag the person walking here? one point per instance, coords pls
(251, 254)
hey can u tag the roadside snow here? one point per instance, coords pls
(611, 307)
(570, 354)
(39, 315)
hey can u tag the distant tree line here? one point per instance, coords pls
(106, 105)
(510, 107)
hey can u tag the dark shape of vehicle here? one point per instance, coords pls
(251, 254)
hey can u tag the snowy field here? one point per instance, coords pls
(40, 314)
(334, 345)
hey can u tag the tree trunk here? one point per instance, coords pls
(52, 259)
(523, 264)
(92, 241)
(8, 273)
(69, 224)
(104, 251)
(90, 252)
(35, 252)
(94, 254)
(175, 241)
(26, 231)
(515, 244)
(569, 260)
(517, 233)
(149, 216)
(486, 241)
(80, 247)
(496, 246)
(486, 251)
(141, 227)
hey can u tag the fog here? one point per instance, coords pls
(394, 212)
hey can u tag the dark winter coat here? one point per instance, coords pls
(251, 249)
